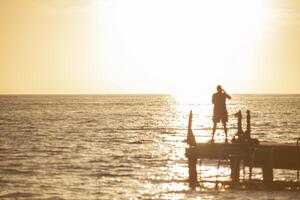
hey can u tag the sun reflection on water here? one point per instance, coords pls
(171, 178)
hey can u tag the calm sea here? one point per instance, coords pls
(126, 146)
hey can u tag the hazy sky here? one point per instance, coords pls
(149, 46)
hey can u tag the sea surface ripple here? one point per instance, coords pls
(125, 146)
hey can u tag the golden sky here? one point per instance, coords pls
(143, 46)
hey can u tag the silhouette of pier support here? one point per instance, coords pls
(267, 174)
(192, 163)
(235, 168)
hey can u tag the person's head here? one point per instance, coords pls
(219, 88)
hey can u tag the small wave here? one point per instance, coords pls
(141, 142)
(167, 180)
(107, 175)
(15, 171)
(19, 195)
(54, 198)
(135, 129)
(136, 142)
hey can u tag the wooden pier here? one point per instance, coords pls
(243, 149)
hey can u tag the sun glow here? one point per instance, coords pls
(182, 47)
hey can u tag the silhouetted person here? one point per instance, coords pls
(220, 111)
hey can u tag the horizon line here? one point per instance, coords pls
(83, 94)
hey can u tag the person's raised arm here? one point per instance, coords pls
(227, 95)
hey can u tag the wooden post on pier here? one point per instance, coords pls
(267, 174)
(248, 131)
(235, 169)
(240, 129)
(190, 136)
(267, 169)
(192, 162)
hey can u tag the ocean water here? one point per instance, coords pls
(126, 146)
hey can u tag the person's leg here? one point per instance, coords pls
(225, 130)
(214, 131)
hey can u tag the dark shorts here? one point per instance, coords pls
(220, 117)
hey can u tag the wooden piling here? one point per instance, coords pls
(190, 136)
(192, 164)
(192, 161)
(298, 160)
(240, 129)
(248, 131)
(267, 169)
(235, 169)
(267, 174)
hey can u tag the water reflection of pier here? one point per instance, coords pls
(247, 151)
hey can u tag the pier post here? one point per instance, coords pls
(267, 174)
(248, 131)
(267, 169)
(235, 169)
(190, 136)
(240, 129)
(192, 162)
